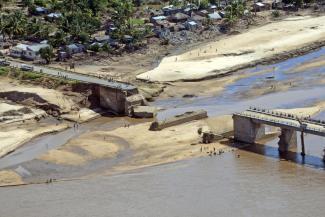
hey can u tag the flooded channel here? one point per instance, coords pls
(253, 181)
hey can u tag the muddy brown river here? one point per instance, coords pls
(253, 181)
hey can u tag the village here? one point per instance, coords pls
(176, 25)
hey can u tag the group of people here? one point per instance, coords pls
(63, 76)
(211, 152)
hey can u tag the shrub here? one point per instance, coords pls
(4, 71)
(31, 76)
(94, 47)
(275, 13)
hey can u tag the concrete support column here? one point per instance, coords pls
(288, 140)
(245, 130)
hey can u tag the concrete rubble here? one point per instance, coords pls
(178, 119)
(144, 112)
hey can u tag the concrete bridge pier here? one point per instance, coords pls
(246, 130)
(288, 140)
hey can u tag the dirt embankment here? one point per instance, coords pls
(23, 106)
(35, 96)
(271, 42)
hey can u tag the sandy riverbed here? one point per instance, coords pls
(241, 50)
(21, 136)
(149, 148)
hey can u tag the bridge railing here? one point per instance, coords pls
(285, 123)
(306, 119)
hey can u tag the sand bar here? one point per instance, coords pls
(237, 51)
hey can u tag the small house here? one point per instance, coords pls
(189, 8)
(191, 25)
(170, 10)
(259, 6)
(214, 16)
(102, 39)
(127, 39)
(33, 51)
(277, 4)
(40, 10)
(17, 51)
(289, 7)
(179, 17)
(53, 16)
(203, 13)
(155, 19)
(75, 48)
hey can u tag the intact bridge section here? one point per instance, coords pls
(249, 126)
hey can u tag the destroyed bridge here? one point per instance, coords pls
(249, 126)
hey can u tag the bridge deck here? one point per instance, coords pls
(79, 77)
(283, 120)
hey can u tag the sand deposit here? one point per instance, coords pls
(9, 177)
(87, 147)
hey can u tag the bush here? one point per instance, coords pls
(31, 76)
(94, 47)
(275, 13)
(134, 21)
(4, 71)
(41, 3)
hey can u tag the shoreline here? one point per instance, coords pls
(266, 44)
(265, 61)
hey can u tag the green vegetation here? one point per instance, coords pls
(275, 13)
(4, 71)
(47, 54)
(31, 75)
(234, 11)
(134, 21)
(38, 78)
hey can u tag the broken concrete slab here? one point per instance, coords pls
(178, 119)
(144, 111)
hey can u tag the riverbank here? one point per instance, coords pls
(24, 134)
(127, 148)
(271, 42)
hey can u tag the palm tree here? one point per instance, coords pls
(15, 24)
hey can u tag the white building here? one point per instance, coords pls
(17, 51)
(30, 52)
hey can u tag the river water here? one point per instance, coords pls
(253, 181)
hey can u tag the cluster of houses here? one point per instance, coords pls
(163, 22)
(171, 19)
(38, 11)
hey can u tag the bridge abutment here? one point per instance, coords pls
(288, 140)
(245, 130)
